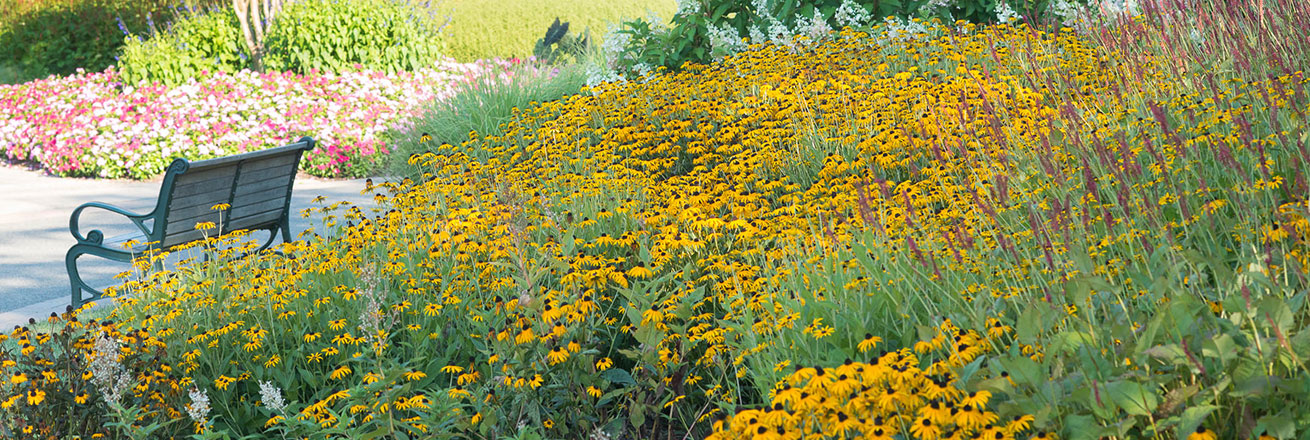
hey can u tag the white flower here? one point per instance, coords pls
(1196, 36)
(198, 410)
(933, 5)
(598, 75)
(614, 42)
(642, 69)
(816, 28)
(779, 34)
(656, 23)
(271, 395)
(725, 39)
(852, 15)
(897, 30)
(107, 374)
(756, 35)
(1006, 14)
(687, 7)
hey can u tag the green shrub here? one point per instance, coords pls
(60, 36)
(703, 30)
(13, 74)
(337, 35)
(209, 41)
(481, 107)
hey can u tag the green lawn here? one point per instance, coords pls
(509, 28)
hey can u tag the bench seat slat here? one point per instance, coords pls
(250, 156)
(281, 174)
(181, 223)
(116, 242)
(205, 198)
(271, 162)
(199, 202)
(186, 188)
(200, 175)
(245, 190)
(251, 222)
(271, 204)
(255, 220)
(198, 213)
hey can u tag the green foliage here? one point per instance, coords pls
(13, 74)
(60, 36)
(202, 42)
(690, 37)
(338, 35)
(481, 107)
(557, 43)
(482, 29)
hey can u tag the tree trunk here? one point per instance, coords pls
(255, 17)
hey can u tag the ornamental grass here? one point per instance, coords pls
(975, 232)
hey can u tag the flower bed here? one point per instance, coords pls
(90, 125)
(984, 230)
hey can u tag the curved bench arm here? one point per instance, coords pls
(97, 237)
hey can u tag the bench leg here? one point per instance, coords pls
(285, 226)
(75, 278)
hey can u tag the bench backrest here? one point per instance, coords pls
(255, 185)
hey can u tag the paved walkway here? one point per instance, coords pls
(34, 211)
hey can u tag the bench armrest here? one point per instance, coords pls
(97, 237)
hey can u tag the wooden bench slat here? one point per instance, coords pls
(218, 184)
(203, 174)
(259, 196)
(116, 242)
(274, 203)
(249, 222)
(281, 174)
(253, 155)
(206, 199)
(198, 212)
(186, 228)
(258, 219)
(221, 177)
(272, 162)
(258, 186)
(220, 195)
(178, 224)
(270, 198)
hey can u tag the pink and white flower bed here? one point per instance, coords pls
(89, 125)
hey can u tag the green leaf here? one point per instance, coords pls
(968, 371)
(1134, 398)
(637, 416)
(1023, 370)
(1030, 324)
(1081, 427)
(1280, 426)
(1222, 347)
(1070, 341)
(1192, 417)
(608, 397)
(1096, 399)
(618, 376)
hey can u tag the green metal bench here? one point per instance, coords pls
(256, 186)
